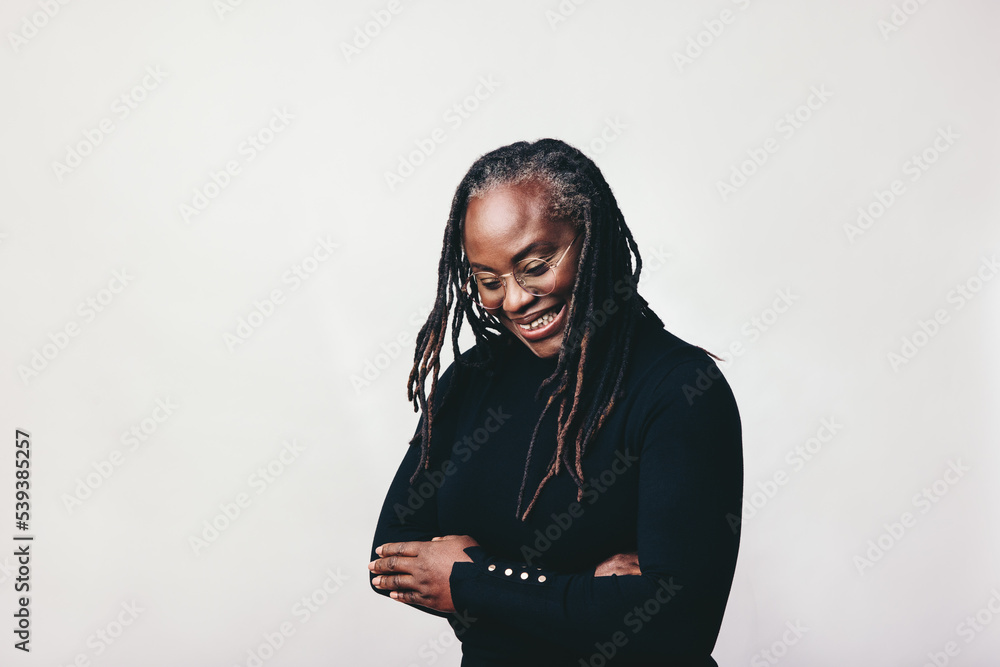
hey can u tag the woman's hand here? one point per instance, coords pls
(625, 563)
(418, 572)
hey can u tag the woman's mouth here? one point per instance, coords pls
(542, 327)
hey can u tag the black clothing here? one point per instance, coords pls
(664, 477)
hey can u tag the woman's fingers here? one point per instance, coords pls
(394, 582)
(418, 572)
(395, 557)
(628, 563)
(620, 564)
(402, 587)
(389, 564)
(398, 549)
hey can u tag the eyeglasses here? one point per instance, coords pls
(535, 276)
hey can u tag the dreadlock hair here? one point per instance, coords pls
(587, 380)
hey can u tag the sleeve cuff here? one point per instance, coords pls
(474, 584)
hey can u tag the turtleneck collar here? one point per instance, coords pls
(520, 355)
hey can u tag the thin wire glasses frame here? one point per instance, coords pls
(538, 284)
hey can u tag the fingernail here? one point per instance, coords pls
(376, 580)
(393, 594)
(371, 565)
(378, 550)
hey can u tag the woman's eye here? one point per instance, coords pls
(535, 268)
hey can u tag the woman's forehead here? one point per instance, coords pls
(508, 218)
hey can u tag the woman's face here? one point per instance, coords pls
(509, 224)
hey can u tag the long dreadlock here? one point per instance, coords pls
(585, 384)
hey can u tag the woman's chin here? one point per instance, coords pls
(545, 348)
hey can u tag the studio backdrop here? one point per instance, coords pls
(220, 232)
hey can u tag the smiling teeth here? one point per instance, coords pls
(540, 322)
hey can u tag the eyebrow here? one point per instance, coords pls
(536, 246)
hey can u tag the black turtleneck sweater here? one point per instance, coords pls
(664, 477)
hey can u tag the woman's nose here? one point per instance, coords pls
(516, 297)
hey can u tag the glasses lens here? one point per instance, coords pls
(536, 276)
(489, 290)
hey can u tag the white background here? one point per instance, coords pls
(673, 131)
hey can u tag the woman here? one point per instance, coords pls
(627, 437)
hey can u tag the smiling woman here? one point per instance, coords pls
(512, 221)
(626, 550)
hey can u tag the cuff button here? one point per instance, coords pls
(508, 571)
(524, 575)
(492, 567)
(541, 578)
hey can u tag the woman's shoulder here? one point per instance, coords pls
(656, 351)
(669, 373)
(665, 369)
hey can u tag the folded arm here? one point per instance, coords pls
(690, 487)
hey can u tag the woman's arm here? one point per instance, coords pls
(408, 515)
(690, 490)
(403, 518)
(418, 572)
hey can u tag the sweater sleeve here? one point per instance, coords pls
(407, 514)
(689, 439)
